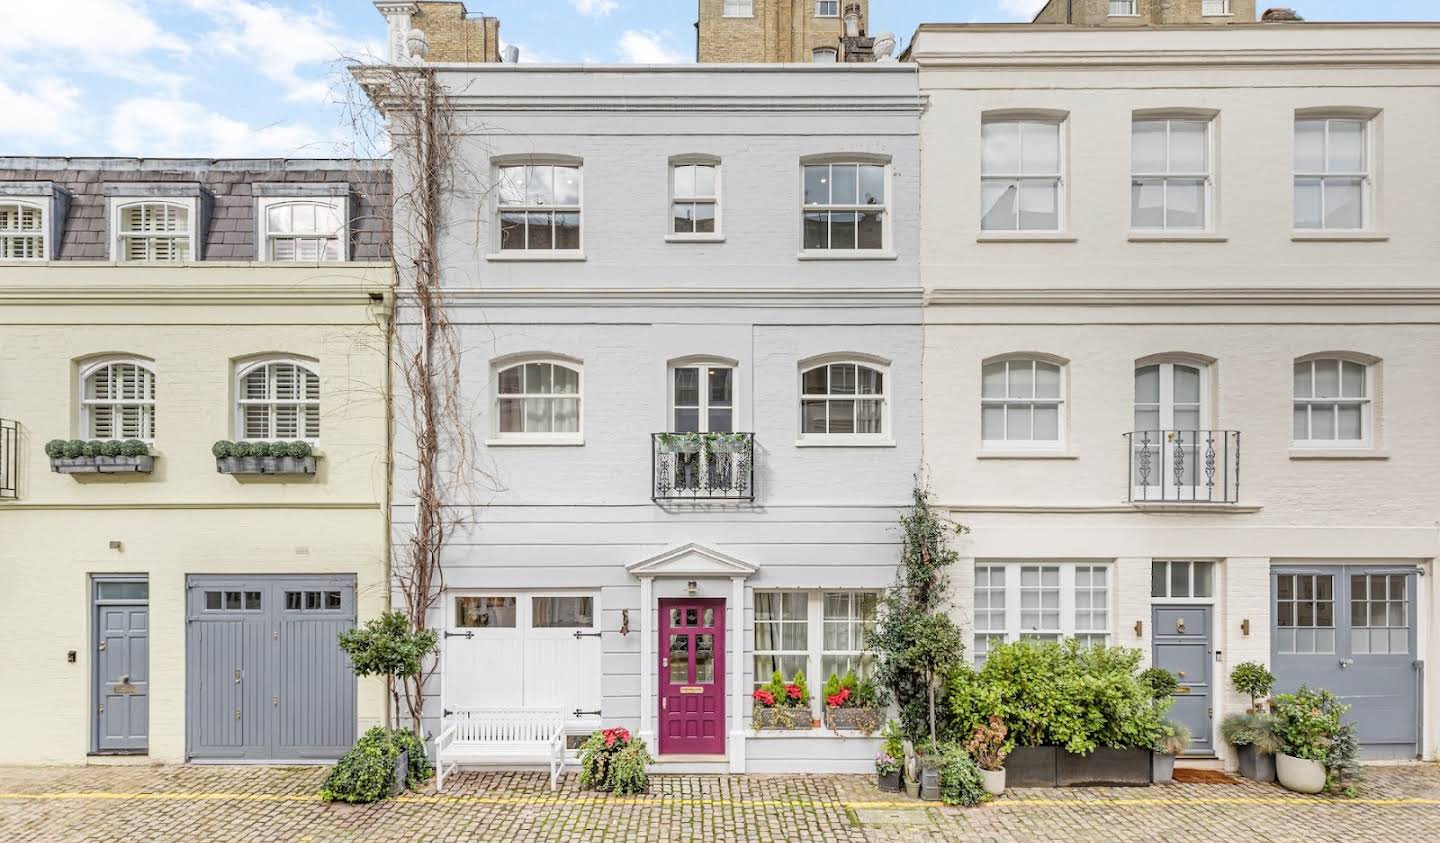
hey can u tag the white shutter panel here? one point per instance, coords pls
(257, 421)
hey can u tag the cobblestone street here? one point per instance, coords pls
(214, 803)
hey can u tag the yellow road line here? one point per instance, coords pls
(663, 801)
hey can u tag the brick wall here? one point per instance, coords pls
(1155, 12)
(232, 226)
(779, 31)
(454, 36)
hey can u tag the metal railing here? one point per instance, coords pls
(1183, 466)
(9, 459)
(700, 466)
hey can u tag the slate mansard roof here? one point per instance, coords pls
(228, 187)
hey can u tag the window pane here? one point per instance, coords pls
(1327, 378)
(872, 184)
(1017, 422)
(1301, 423)
(842, 230)
(685, 180)
(1147, 385)
(817, 184)
(870, 233)
(704, 218)
(1185, 203)
(1147, 203)
(538, 232)
(817, 231)
(814, 416)
(566, 381)
(868, 416)
(842, 379)
(704, 179)
(993, 380)
(1310, 146)
(1346, 147)
(485, 612)
(567, 415)
(992, 423)
(1022, 379)
(562, 612)
(1352, 379)
(512, 415)
(1180, 579)
(687, 387)
(1159, 579)
(512, 185)
(1000, 148)
(997, 205)
(1047, 423)
(842, 417)
(683, 214)
(1349, 420)
(843, 184)
(1204, 579)
(1040, 148)
(1039, 206)
(540, 185)
(537, 415)
(1303, 380)
(512, 231)
(1047, 380)
(815, 381)
(567, 231)
(1147, 146)
(1189, 152)
(1307, 203)
(871, 382)
(1344, 203)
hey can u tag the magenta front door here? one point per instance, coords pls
(692, 677)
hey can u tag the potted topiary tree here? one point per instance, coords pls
(1253, 680)
(988, 745)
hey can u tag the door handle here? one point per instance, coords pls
(1180, 625)
(1344, 663)
(1179, 674)
(664, 703)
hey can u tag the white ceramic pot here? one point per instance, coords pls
(994, 781)
(1300, 774)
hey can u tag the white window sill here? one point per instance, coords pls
(1177, 237)
(1025, 237)
(534, 441)
(1339, 237)
(1195, 506)
(848, 255)
(1023, 454)
(535, 255)
(845, 442)
(694, 238)
(1339, 454)
(821, 733)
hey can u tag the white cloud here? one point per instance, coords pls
(157, 127)
(48, 113)
(646, 46)
(110, 37)
(1021, 9)
(280, 41)
(596, 8)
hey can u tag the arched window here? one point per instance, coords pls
(277, 400)
(303, 230)
(1333, 401)
(824, 55)
(154, 231)
(22, 232)
(1020, 403)
(117, 399)
(843, 398)
(538, 398)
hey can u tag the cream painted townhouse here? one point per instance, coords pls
(1181, 327)
(166, 605)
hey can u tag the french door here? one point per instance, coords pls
(702, 400)
(1170, 425)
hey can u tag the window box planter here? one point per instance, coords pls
(865, 720)
(1256, 765)
(265, 465)
(102, 465)
(1053, 766)
(782, 718)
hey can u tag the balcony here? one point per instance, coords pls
(9, 459)
(702, 466)
(1183, 466)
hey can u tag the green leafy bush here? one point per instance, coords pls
(614, 760)
(263, 449)
(420, 767)
(299, 450)
(91, 449)
(134, 448)
(55, 449)
(1162, 683)
(222, 449)
(112, 448)
(893, 740)
(960, 780)
(1251, 728)
(1253, 680)
(242, 450)
(76, 448)
(1174, 738)
(1307, 722)
(1060, 694)
(367, 772)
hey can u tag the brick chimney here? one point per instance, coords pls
(452, 33)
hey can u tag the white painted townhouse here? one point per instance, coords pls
(1182, 325)
(688, 303)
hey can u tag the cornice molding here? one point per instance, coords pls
(1277, 57)
(38, 295)
(1180, 296)
(828, 297)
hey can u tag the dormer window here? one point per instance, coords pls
(22, 232)
(160, 222)
(303, 230)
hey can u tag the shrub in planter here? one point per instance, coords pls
(1253, 680)
(263, 457)
(367, 772)
(1173, 739)
(781, 704)
(1315, 742)
(420, 768)
(960, 779)
(988, 745)
(1253, 736)
(851, 704)
(108, 456)
(612, 760)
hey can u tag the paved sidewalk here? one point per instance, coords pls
(1400, 803)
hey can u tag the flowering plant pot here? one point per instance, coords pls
(1300, 775)
(865, 720)
(782, 717)
(888, 782)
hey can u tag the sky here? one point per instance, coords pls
(259, 78)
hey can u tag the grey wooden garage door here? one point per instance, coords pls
(266, 679)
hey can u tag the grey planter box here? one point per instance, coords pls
(402, 774)
(102, 465)
(865, 720)
(782, 718)
(1052, 766)
(265, 465)
(1256, 765)
(888, 782)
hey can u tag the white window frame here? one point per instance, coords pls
(501, 208)
(824, 55)
(1005, 444)
(1366, 403)
(704, 365)
(822, 5)
(886, 250)
(575, 437)
(886, 435)
(244, 369)
(1061, 122)
(340, 205)
(148, 406)
(1215, 8)
(714, 200)
(1067, 627)
(1169, 597)
(44, 207)
(1133, 5)
(815, 651)
(1367, 177)
(1208, 175)
(738, 9)
(189, 204)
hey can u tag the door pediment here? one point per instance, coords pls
(691, 560)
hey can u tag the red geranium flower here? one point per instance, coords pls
(792, 691)
(764, 697)
(837, 700)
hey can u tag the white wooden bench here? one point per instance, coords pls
(499, 736)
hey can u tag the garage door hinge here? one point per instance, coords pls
(465, 634)
(579, 713)
(579, 634)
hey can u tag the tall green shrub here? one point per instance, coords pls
(917, 643)
(389, 646)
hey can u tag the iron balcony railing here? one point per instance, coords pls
(702, 466)
(1184, 466)
(9, 459)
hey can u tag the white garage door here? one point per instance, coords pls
(525, 650)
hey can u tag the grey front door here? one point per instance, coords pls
(1351, 629)
(122, 664)
(266, 678)
(1181, 644)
